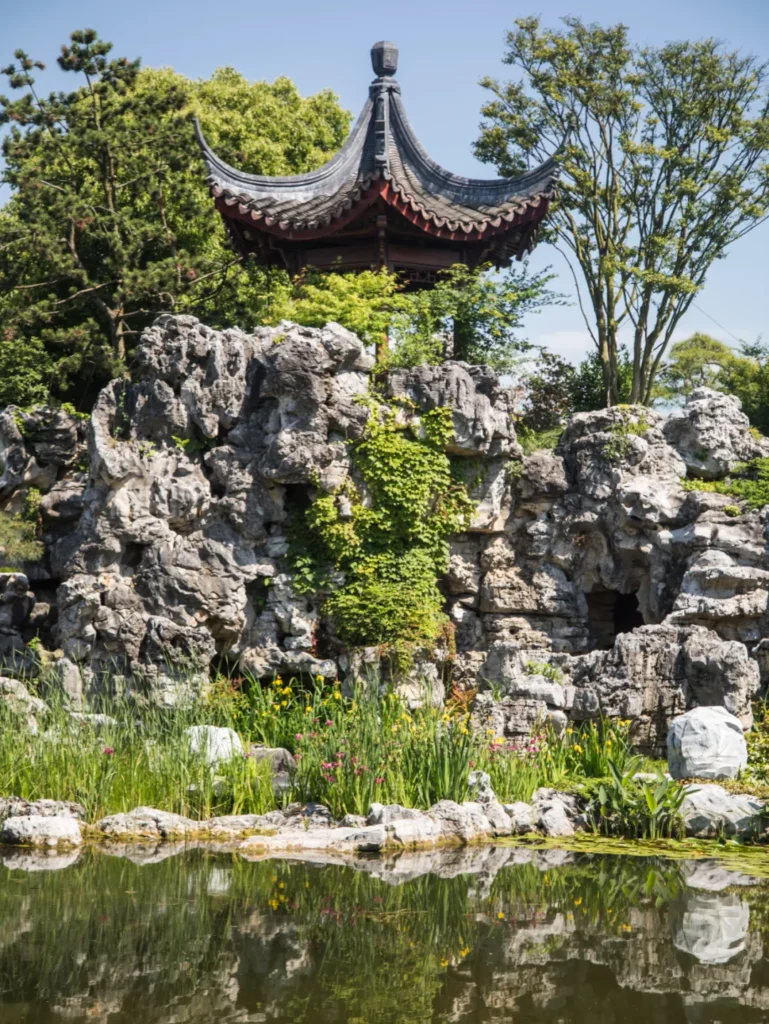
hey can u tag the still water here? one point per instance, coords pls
(487, 934)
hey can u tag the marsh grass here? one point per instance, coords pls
(352, 749)
(140, 758)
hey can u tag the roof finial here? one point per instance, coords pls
(384, 58)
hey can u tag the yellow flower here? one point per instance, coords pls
(284, 703)
(337, 695)
(500, 916)
(464, 952)
(578, 901)
(445, 962)
(577, 747)
(626, 927)
(569, 732)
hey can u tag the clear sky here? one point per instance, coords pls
(445, 47)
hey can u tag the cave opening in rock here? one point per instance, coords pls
(610, 613)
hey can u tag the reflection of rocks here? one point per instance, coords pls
(713, 929)
(203, 938)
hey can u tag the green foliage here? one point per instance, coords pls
(537, 668)
(144, 759)
(474, 314)
(389, 538)
(365, 303)
(18, 537)
(748, 481)
(556, 390)
(619, 446)
(110, 221)
(695, 362)
(757, 740)
(639, 811)
(25, 370)
(537, 440)
(663, 156)
(747, 376)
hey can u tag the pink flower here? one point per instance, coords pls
(379, 780)
(329, 722)
(109, 751)
(299, 736)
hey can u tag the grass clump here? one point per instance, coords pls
(748, 481)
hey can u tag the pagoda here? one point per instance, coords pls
(380, 202)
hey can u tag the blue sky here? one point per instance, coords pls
(445, 47)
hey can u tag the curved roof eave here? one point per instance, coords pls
(323, 181)
(473, 192)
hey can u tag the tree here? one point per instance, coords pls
(663, 153)
(696, 362)
(556, 389)
(109, 220)
(746, 375)
(471, 315)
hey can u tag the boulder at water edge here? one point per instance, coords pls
(706, 743)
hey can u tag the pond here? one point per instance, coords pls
(498, 933)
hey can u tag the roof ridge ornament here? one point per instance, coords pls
(384, 58)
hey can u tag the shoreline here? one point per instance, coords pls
(446, 830)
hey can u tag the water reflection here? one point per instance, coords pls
(469, 936)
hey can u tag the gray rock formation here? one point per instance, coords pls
(587, 583)
(710, 812)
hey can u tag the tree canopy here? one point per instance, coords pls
(664, 158)
(109, 220)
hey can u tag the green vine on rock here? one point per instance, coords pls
(374, 549)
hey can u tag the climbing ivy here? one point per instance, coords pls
(375, 548)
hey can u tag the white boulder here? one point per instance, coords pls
(36, 830)
(215, 743)
(706, 743)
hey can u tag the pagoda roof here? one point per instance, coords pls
(381, 157)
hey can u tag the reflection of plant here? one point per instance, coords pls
(185, 923)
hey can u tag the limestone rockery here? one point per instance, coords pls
(588, 583)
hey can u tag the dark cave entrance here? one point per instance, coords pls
(610, 613)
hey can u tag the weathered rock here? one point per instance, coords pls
(555, 814)
(709, 812)
(147, 823)
(282, 760)
(384, 814)
(14, 806)
(657, 672)
(39, 830)
(16, 698)
(522, 817)
(706, 743)
(214, 743)
(712, 434)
